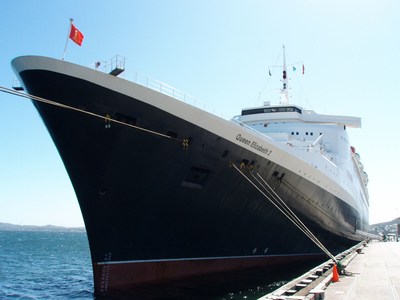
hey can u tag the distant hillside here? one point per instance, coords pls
(395, 221)
(386, 228)
(13, 227)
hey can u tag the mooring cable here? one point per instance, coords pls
(291, 187)
(277, 198)
(55, 103)
(286, 211)
(278, 203)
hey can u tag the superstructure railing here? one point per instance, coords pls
(360, 174)
(308, 147)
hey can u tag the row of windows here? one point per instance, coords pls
(270, 110)
(307, 133)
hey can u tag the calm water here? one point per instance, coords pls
(57, 265)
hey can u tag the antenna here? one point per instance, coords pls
(285, 88)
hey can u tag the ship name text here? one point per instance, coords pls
(253, 144)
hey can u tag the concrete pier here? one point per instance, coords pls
(374, 273)
(371, 271)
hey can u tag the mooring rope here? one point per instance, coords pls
(276, 201)
(55, 103)
(285, 210)
(306, 198)
(307, 231)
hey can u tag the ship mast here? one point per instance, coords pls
(284, 90)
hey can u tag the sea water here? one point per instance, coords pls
(57, 265)
(45, 265)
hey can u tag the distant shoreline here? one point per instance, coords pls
(49, 228)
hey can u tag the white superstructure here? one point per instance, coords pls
(320, 141)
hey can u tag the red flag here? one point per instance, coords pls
(76, 35)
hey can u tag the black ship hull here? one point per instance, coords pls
(167, 204)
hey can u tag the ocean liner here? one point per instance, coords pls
(171, 193)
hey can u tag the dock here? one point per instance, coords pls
(368, 271)
(373, 274)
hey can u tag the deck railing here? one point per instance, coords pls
(163, 88)
(118, 63)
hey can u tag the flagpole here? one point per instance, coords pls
(66, 43)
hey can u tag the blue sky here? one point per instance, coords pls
(219, 52)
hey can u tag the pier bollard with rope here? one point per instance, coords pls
(340, 268)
